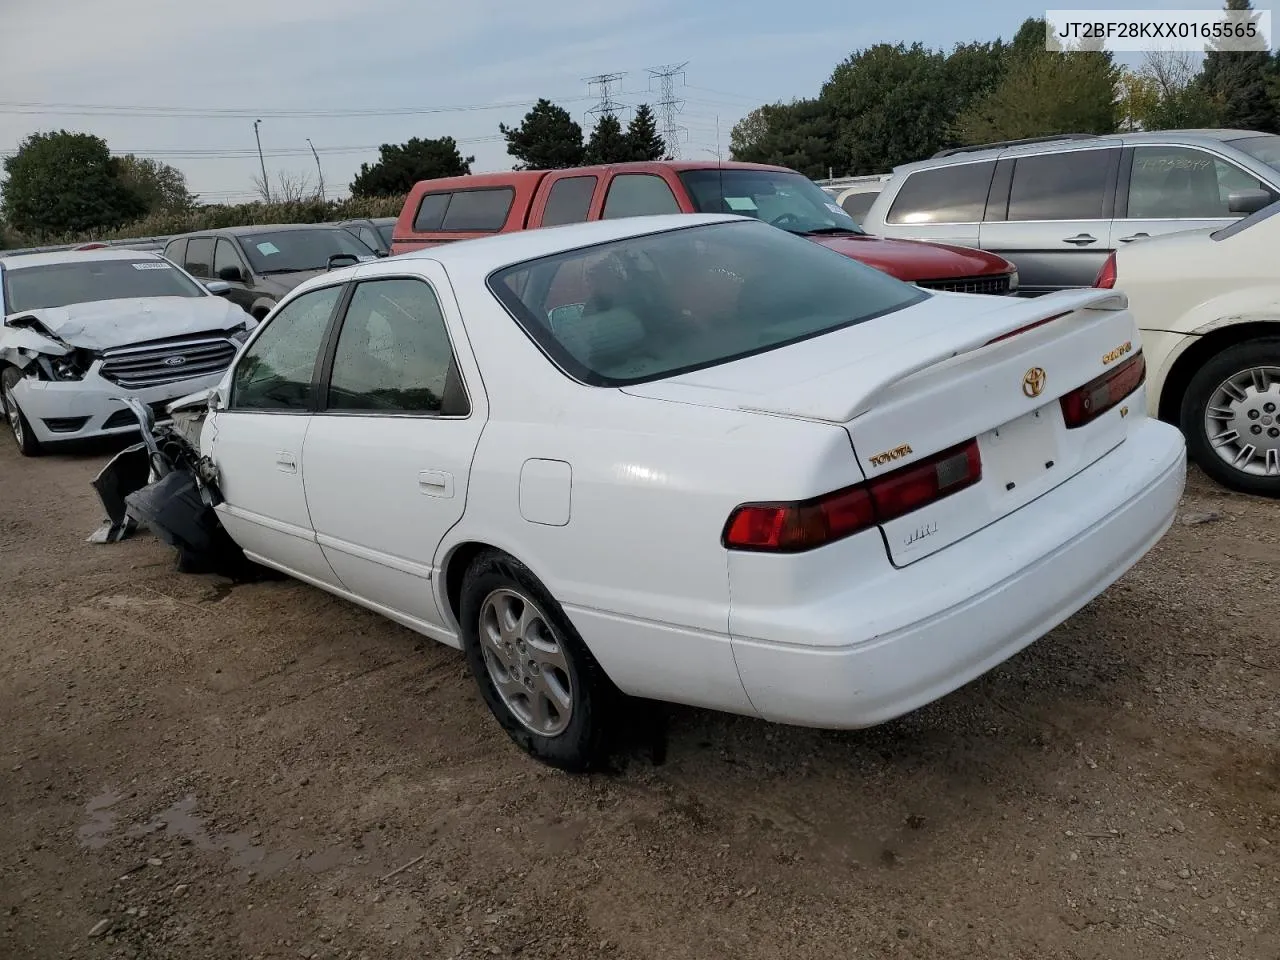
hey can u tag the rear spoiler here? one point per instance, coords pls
(867, 379)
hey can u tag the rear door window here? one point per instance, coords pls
(953, 194)
(1062, 186)
(639, 195)
(569, 200)
(200, 257)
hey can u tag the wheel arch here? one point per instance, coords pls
(1198, 353)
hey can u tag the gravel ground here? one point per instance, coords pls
(194, 770)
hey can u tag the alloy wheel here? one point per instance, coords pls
(526, 661)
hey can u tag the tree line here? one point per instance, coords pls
(892, 103)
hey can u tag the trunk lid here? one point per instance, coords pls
(914, 384)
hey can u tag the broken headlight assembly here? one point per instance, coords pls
(241, 333)
(67, 368)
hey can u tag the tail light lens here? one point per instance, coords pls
(1107, 275)
(1086, 404)
(792, 527)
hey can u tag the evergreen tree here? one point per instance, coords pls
(643, 139)
(608, 144)
(547, 139)
(1238, 83)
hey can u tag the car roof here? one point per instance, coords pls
(23, 261)
(249, 231)
(499, 250)
(1193, 137)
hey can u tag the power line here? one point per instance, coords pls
(238, 153)
(668, 106)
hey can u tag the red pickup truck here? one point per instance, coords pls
(462, 208)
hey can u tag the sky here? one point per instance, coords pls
(184, 82)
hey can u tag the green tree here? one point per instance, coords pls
(1045, 93)
(748, 134)
(800, 135)
(1240, 84)
(162, 188)
(643, 140)
(1175, 98)
(547, 139)
(889, 104)
(402, 165)
(608, 144)
(62, 182)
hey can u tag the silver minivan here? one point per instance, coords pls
(1057, 206)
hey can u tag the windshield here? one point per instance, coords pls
(1265, 148)
(661, 304)
(88, 281)
(384, 231)
(787, 200)
(291, 251)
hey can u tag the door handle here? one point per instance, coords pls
(1080, 239)
(285, 462)
(1136, 236)
(435, 483)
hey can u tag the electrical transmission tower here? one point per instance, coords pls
(608, 84)
(668, 106)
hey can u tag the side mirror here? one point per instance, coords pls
(231, 275)
(343, 260)
(218, 288)
(1248, 201)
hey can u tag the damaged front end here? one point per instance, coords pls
(164, 484)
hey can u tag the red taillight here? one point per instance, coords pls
(1107, 275)
(1086, 404)
(806, 524)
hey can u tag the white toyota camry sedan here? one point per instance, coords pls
(692, 459)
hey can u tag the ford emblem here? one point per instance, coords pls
(174, 361)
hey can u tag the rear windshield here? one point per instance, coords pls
(658, 305)
(293, 251)
(89, 281)
(787, 200)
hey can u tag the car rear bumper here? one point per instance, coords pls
(89, 408)
(971, 606)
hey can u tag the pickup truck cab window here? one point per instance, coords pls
(482, 210)
(569, 200)
(394, 354)
(277, 369)
(639, 195)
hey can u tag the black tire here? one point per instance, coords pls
(19, 425)
(584, 743)
(1218, 369)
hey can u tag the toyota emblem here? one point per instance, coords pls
(174, 361)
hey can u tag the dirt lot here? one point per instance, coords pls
(192, 770)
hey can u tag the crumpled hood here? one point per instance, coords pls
(117, 323)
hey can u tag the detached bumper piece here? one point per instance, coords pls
(128, 471)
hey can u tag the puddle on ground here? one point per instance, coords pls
(95, 833)
(242, 849)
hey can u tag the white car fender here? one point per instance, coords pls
(20, 345)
